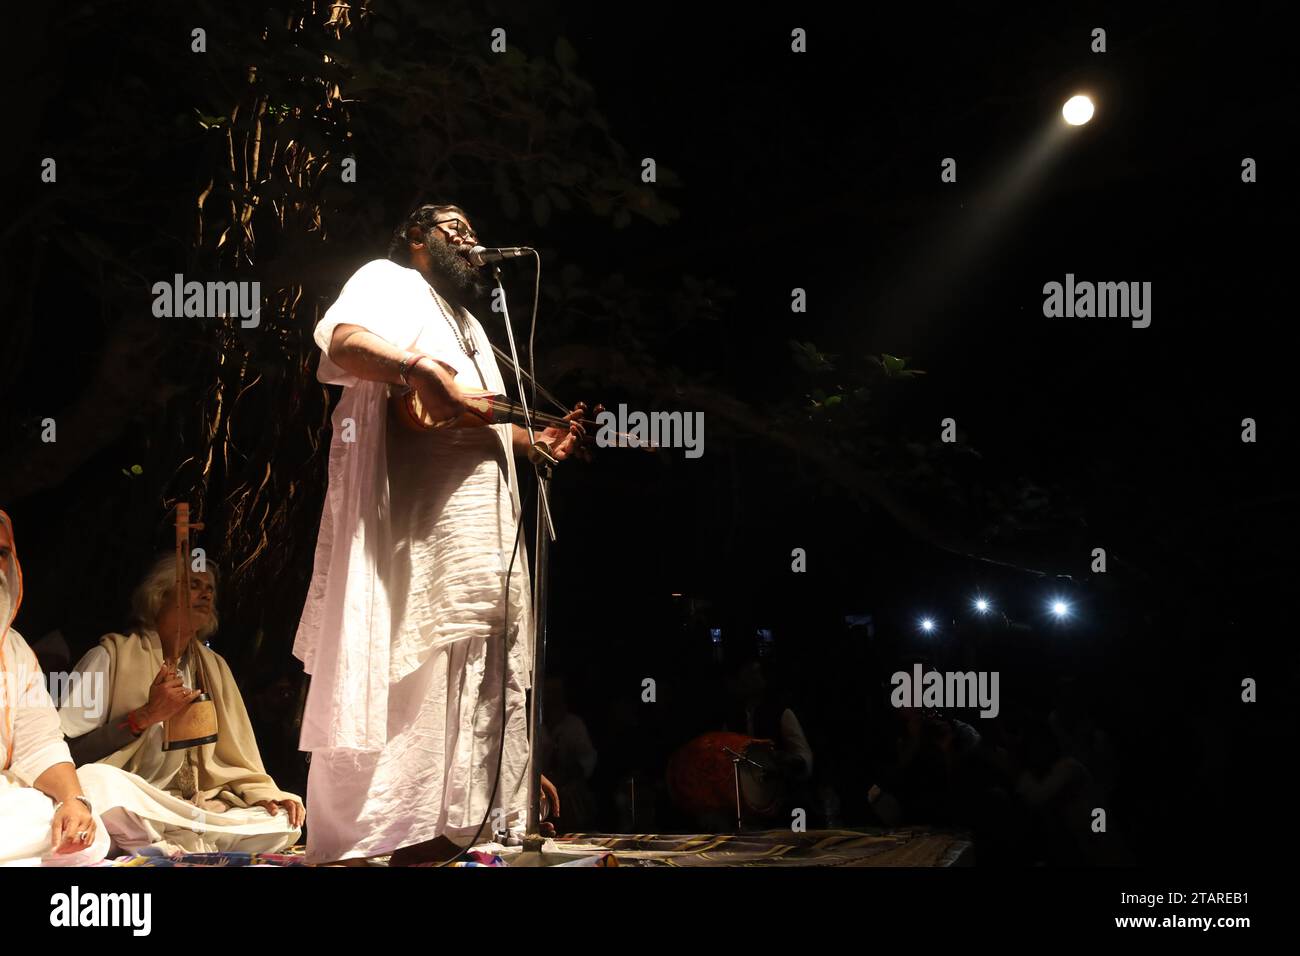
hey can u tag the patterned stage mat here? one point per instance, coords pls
(290, 857)
(910, 847)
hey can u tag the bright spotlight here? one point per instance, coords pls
(1060, 609)
(1077, 110)
(982, 605)
(927, 625)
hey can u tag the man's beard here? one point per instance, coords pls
(455, 279)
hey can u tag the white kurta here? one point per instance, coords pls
(405, 619)
(26, 814)
(138, 809)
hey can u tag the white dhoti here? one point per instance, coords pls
(26, 830)
(138, 814)
(454, 530)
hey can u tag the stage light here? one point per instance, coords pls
(927, 625)
(1060, 609)
(982, 605)
(1077, 110)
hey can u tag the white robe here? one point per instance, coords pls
(403, 626)
(26, 814)
(137, 810)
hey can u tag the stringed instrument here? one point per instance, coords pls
(196, 723)
(483, 408)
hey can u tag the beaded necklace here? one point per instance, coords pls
(469, 350)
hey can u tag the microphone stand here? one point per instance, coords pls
(736, 760)
(544, 535)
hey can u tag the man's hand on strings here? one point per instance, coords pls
(435, 383)
(571, 441)
(167, 697)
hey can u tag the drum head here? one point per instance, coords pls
(702, 776)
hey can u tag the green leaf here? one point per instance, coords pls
(893, 363)
(809, 359)
(208, 122)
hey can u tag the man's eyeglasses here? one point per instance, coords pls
(457, 227)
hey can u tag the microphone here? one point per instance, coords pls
(480, 257)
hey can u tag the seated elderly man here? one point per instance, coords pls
(45, 819)
(210, 797)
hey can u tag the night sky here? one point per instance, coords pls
(823, 172)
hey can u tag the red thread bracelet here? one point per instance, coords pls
(132, 725)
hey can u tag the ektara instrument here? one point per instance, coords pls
(196, 723)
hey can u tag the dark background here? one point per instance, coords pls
(818, 171)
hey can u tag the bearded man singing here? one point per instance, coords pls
(419, 596)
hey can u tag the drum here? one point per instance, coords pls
(193, 726)
(702, 777)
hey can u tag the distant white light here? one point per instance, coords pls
(927, 625)
(1077, 110)
(982, 605)
(1060, 608)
